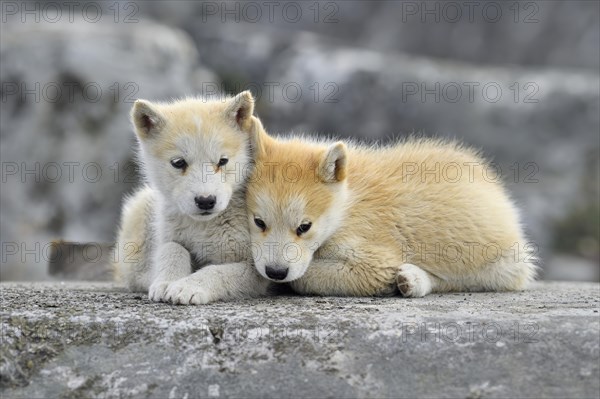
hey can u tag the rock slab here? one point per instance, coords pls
(97, 340)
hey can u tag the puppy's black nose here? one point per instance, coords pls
(206, 203)
(276, 273)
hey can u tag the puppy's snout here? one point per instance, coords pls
(276, 272)
(206, 203)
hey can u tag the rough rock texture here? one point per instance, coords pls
(561, 33)
(95, 340)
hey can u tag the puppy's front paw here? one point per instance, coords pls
(157, 291)
(413, 282)
(186, 291)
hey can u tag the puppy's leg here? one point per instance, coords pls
(171, 263)
(348, 278)
(414, 282)
(132, 258)
(218, 283)
(506, 274)
(378, 277)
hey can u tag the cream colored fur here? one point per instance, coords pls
(416, 217)
(164, 236)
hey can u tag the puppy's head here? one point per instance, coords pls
(195, 151)
(296, 199)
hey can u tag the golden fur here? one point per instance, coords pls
(419, 216)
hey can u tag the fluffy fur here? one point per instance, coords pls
(416, 217)
(165, 235)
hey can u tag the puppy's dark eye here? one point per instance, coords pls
(303, 228)
(223, 161)
(260, 224)
(178, 163)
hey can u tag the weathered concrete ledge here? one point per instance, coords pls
(96, 340)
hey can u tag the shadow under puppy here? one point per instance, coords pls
(196, 157)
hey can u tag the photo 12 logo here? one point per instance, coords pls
(68, 92)
(70, 172)
(69, 11)
(470, 92)
(272, 92)
(270, 11)
(469, 332)
(470, 11)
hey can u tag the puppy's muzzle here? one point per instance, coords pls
(205, 203)
(276, 272)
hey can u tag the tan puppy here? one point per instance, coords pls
(420, 216)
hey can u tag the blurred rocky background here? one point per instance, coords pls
(518, 79)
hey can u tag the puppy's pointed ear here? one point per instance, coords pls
(332, 168)
(147, 119)
(240, 110)
(259, 139)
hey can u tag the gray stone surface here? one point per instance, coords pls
(96, 340)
